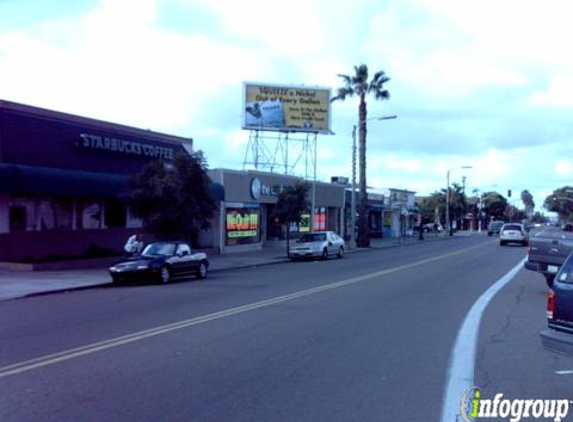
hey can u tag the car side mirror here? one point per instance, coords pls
(329, 243)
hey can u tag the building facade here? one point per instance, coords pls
(246, 221)
(63, 181)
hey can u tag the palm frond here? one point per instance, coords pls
(342, 93)
(347, 79)
(382, 95)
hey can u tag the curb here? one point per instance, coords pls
(236, 267)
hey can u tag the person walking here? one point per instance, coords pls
(133, 246)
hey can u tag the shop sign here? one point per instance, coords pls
(259, 189)
(123, 146)
(242, 224)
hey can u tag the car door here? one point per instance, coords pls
(183, 258)
(332, 248)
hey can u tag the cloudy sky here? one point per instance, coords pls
(486, 84)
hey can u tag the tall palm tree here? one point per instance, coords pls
(359, 85)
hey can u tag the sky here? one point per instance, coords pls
(484, 84)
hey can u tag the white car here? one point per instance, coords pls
(512, 232)
(318, 244)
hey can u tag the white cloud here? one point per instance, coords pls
(471, 83)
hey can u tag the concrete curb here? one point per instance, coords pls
(237, 267)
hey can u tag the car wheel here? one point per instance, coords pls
(164, 275)
(202, 270)
(340, 253)
(324, 255)
(549, 279)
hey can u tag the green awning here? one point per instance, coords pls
(29, 180)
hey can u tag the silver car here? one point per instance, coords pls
(512, 232)
(318, 244)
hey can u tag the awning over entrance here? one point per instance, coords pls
(29, 180)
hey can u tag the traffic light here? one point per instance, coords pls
(509, 193)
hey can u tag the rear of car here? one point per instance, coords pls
(494, 227)
(558, 337)
(512, 233)
(548, 249)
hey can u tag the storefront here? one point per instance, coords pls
(246, 220)
(63, 179)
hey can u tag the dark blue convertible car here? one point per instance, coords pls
(161, 262)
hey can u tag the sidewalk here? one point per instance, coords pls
(15, 284)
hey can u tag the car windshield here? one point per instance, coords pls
(516, 227)
(313, 237)
(160, 249)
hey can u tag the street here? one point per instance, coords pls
(365, 338)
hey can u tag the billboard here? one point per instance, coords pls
(286, 108)
(242, 224)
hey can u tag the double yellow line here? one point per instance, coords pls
(88, 349)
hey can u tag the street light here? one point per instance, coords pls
(480, 205)
(353, 199)
(448, 226)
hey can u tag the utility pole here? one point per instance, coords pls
(353, 199)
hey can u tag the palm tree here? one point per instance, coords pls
(359, 85)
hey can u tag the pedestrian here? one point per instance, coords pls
(134, 245)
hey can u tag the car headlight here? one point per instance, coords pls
(113, 268)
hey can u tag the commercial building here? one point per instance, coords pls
(64, 184)
(246, 220)
(62, 180)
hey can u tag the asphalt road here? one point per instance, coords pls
(366, 338)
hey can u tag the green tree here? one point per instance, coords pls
(292, 203)
(539, 218)
(434, 204)
(173, 199)
(528, 202)
(458, 203)
(359, 84)
(561, 202)
(494, 205)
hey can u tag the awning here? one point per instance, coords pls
(30, 180)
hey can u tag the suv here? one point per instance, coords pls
(494, 227)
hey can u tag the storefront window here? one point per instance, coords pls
(22, 214)
(88, 214)
(242, 224)
(319, 222)
(115, 213)
(55, 214)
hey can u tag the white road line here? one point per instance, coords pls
(462, 359)
(564, 372)
(130, 338)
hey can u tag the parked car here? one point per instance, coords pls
(433, 228)
(548, 248)
(494, 227)
(558, 337)
(512, 233)
(161, 262)
(318, 244)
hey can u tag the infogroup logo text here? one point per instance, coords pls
(474, 408)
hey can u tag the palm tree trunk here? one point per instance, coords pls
(363, 239)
